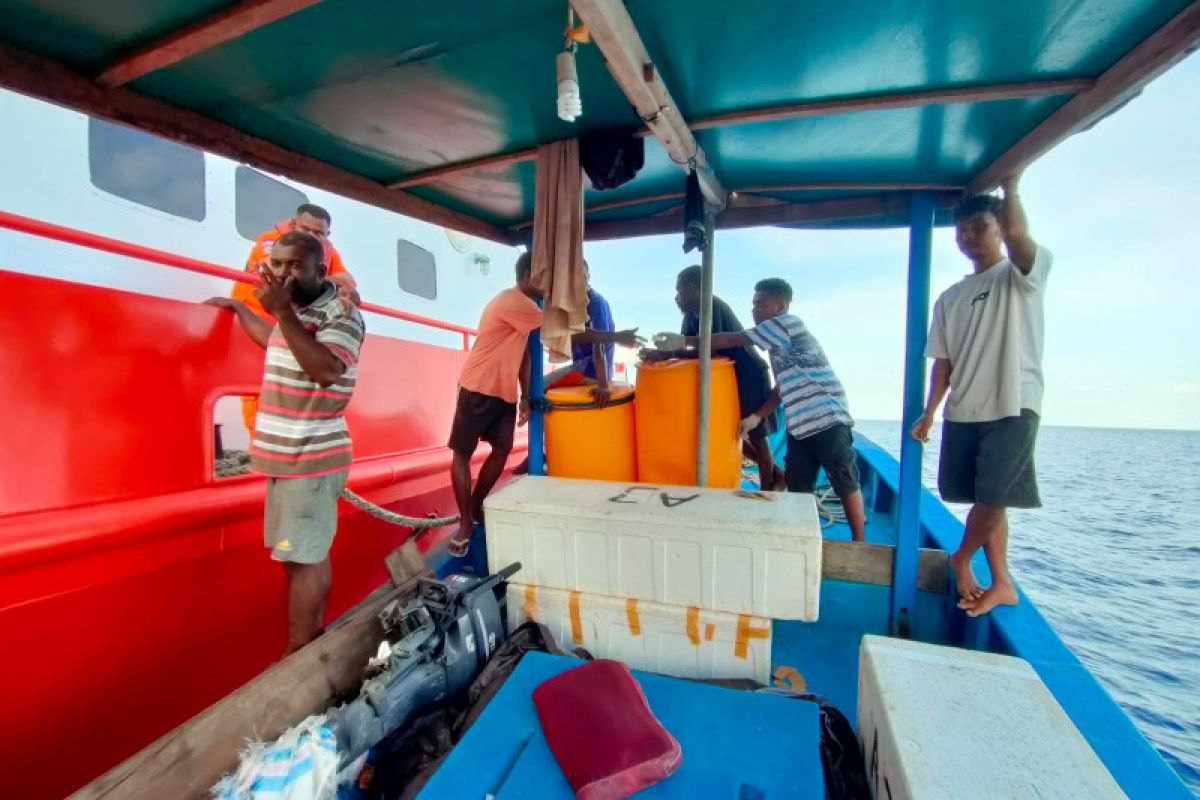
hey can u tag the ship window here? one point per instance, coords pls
(261, 202)
(416, 270)
(146, 169)
(231, 437)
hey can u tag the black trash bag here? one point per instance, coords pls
(841, 757)
(611, 158)
(405, 761)
(694, 236)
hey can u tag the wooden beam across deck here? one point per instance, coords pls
(864, 562)
(1166, 47)
(614, 33)
(48, 80)
(224, 26)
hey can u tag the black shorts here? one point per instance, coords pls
(754, 385)
(833, 450)
(990, 462)
(481, 416)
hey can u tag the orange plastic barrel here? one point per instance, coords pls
(668, 422)
(592, 443)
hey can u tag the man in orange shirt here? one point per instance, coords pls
(315, 221)
(488, 406)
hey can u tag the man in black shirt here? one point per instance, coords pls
(753, 378)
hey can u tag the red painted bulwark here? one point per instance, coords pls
(134, 589)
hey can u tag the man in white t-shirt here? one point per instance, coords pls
(986, 342)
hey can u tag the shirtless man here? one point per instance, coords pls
(985, 340)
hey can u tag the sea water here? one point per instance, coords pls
(1112, 560)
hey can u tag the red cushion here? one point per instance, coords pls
(602, 732)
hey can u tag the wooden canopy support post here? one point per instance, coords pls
(47, 80)
(705, 383)
(206, 34)
(613, 31)
(1166, 47)
(908, 524)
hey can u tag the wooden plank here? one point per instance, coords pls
(612, 204)
(47, 80)
(850, 186)
(892, 100)
(405, 563)
(863, 562)
(776, 214)
(470, 165)
(845, 105)
(819, 210)
(186, 762)
(744, 198)
(614, 33)
(1166, 47)
(206, 34)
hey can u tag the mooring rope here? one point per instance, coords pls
(416, 523)
(237, 463)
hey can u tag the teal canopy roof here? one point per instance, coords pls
(910, 95)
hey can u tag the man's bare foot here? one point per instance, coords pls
(999, 594)
(522, 468)
(968, 587)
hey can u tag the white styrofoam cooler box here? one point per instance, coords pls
(686, 642)
(940, 722)
(674, 545)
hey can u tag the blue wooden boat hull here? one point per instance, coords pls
(825, 654)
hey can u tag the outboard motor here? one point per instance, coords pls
(439, 641)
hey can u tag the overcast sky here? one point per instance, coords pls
(1118, 206)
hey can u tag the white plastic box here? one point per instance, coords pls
(686, 642)
(674, 545)
(940, 722)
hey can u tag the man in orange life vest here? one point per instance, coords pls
(315, 221)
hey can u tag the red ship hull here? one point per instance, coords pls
(134, 588)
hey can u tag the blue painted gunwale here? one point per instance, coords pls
(1022, 631)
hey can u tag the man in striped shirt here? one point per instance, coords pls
(315, 221)
(300, 438)
(814, 402)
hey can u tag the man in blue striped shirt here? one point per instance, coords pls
(814, 402)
